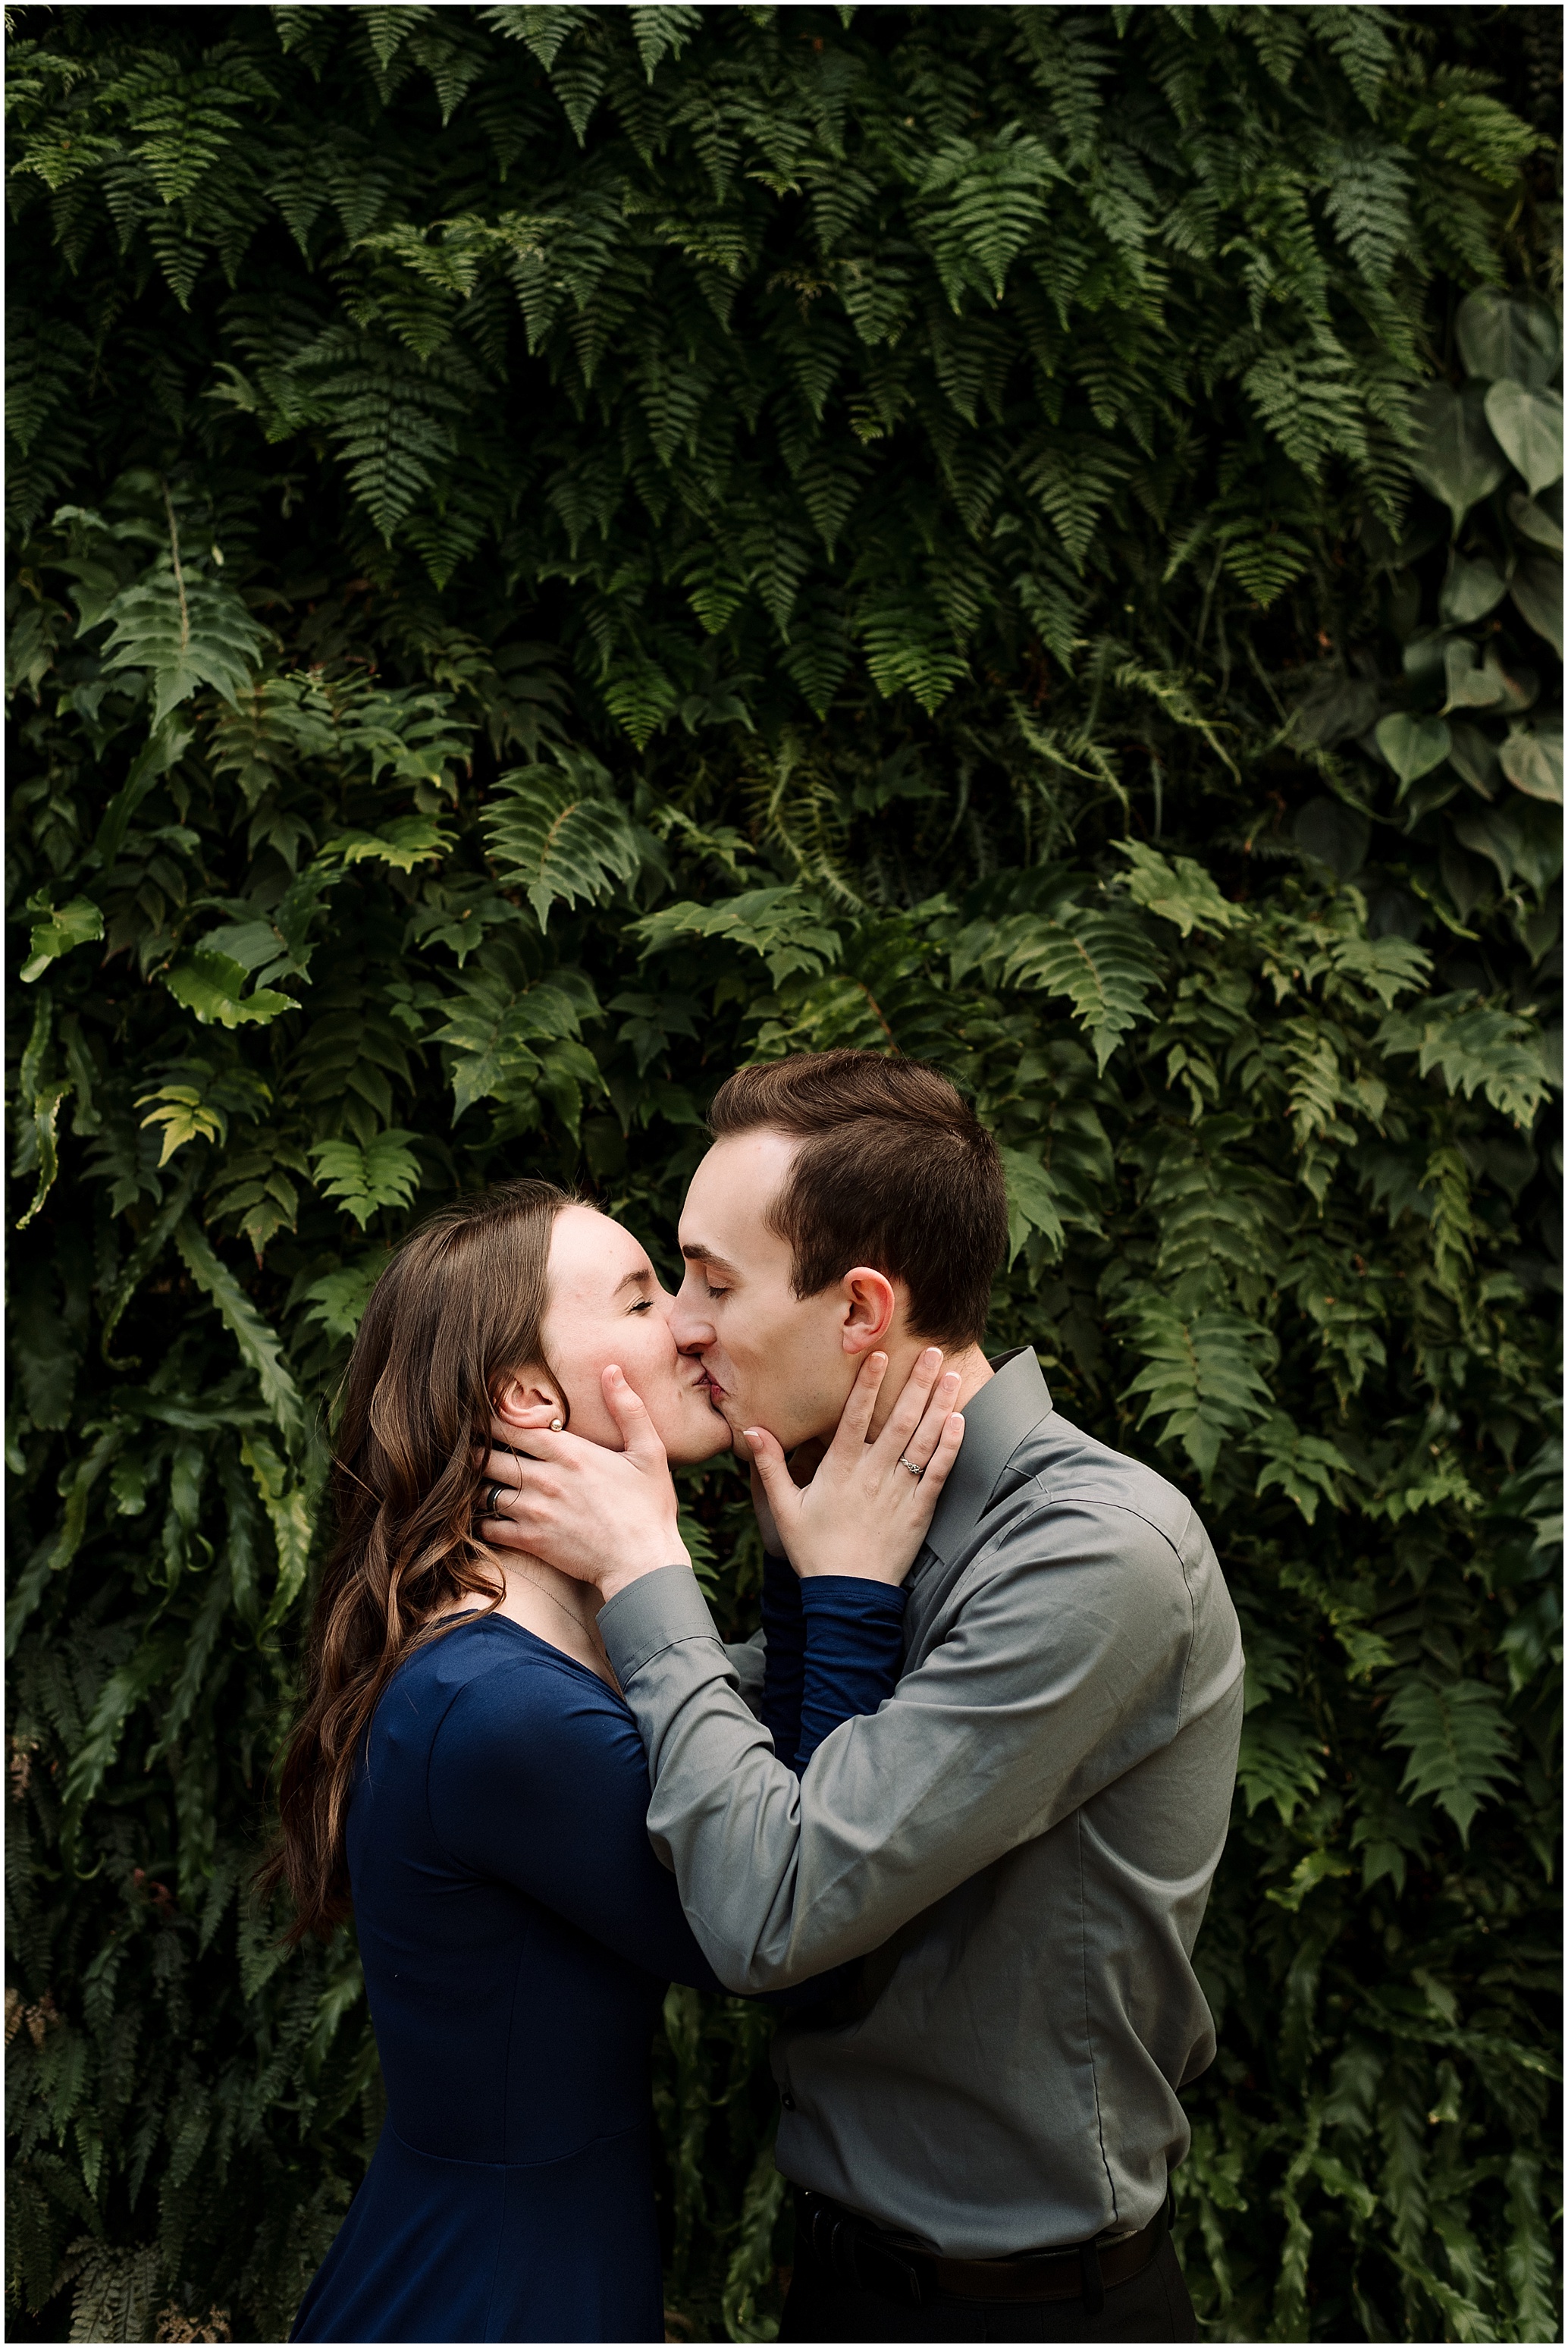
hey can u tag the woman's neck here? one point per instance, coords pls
(554, 1607)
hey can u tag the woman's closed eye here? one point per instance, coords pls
(643, 1304)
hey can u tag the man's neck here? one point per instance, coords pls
(974, 1372)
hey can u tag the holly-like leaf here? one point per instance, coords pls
(186, 632)
(1102, 963)
(79, 923)
(338, 1299)
(384, 1172)
(1177, 889)
(784, 926)
(1204, 1377)
(1032, 1204)
(184, 1116)
(406, 842)
(212, 986)
(561, 836)
(1459, 1743)
(1474, 1047)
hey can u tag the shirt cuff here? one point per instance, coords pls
(658, 1609)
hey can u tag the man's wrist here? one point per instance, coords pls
(617, 1578)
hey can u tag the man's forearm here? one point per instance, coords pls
(779, 1881)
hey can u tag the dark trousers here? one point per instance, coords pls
(1152, 2305)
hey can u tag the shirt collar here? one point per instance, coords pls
(1008, 1406)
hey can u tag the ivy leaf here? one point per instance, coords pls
(1454, 454)
(1500, 335)
(1412, 745)
(384, 1172)
(1534, 522)
(1469, 591)
(1459, 1741)
(1537, 587)
(1533, 763)
(211, 986)
(79, 923)
(1528, 427)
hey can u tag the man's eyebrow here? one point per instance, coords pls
(632, 1279)
(697, 1251)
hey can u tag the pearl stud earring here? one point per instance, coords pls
(555, 1426)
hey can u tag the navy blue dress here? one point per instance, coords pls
(517, 1932)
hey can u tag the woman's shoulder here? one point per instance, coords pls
(485, 1690)
(490, 1675)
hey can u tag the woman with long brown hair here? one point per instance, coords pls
(466, 1779)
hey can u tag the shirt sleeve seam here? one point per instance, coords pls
(679, 1639)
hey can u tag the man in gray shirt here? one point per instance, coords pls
(1018, 1845)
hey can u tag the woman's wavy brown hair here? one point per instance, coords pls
(459, 1309)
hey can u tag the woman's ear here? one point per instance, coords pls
(527, 1401)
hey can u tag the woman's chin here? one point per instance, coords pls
(698, 1438)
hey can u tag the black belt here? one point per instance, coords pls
(862, 2257)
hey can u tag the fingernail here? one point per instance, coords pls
(932, 1355)
(753, 1433)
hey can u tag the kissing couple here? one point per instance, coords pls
(955, 1812)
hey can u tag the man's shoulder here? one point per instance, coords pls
(1058, 1466)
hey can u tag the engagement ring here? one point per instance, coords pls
(911, 1467)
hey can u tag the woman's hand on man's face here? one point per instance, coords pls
(867, 1506)
(604, 1517)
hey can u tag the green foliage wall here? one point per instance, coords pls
(559, 549)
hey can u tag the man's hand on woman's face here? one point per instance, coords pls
(604, 1517)
(867, 1506)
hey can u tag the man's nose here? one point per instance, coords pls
(690, 1329)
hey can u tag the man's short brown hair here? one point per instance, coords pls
(894, 1170)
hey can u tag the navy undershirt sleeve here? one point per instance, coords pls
(853, 1646)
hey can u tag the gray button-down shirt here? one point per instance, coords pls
(1019, 1842)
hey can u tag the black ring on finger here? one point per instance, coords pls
(492, 1507)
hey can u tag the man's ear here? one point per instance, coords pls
(870, 1308)
(527, 1401)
